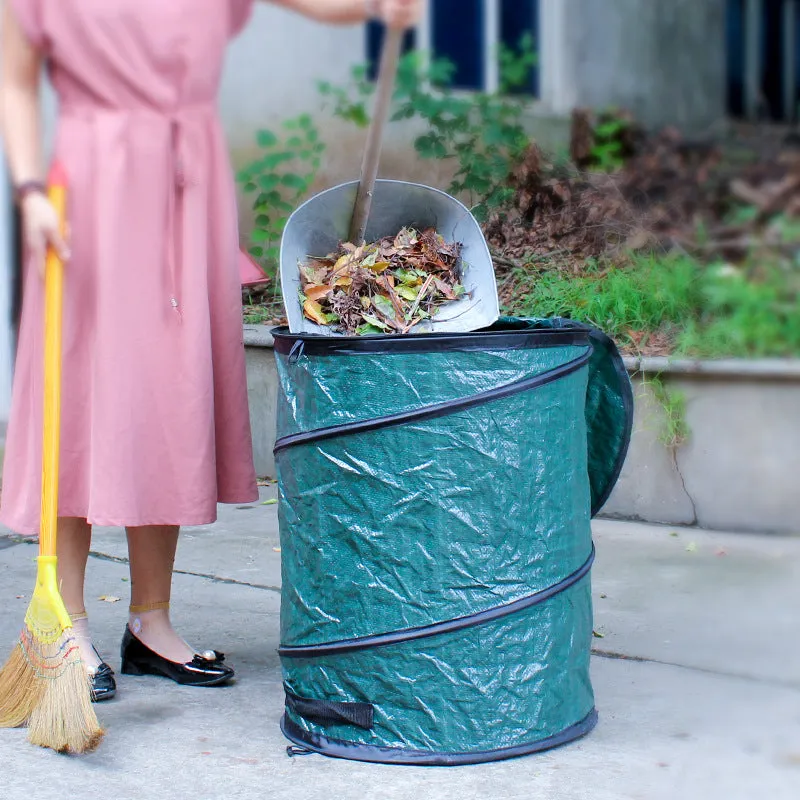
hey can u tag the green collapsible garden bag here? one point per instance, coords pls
(436, 498)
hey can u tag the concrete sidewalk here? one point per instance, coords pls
(697, 677)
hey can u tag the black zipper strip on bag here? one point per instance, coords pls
(436, 410)
(328, 712)
(450, 626)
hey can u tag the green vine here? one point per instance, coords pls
(278, 180)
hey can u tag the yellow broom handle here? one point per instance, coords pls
(54, 294)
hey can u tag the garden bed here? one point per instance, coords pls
(683, 248)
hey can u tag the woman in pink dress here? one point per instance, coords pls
(155, 427)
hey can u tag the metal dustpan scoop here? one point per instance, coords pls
(369, 209)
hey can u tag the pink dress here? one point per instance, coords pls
(155, 425)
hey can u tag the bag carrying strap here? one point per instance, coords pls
(325, 712)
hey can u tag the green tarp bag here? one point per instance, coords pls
(436, 493)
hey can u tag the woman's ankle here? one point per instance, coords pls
(83, 638)
(150, 623)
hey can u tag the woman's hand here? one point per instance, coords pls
(400, 14)
(40, 227)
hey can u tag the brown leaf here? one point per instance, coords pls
(344, 264)
(444, 289)
(317, 292)
(313, 311)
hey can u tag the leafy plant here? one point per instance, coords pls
(608, 151)
(482, 132)
(278, 180)
(697, 310)
(675, 431)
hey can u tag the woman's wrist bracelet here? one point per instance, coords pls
(22, 190)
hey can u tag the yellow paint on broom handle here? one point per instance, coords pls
(54, 294)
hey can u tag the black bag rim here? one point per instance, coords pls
(338, 748)
(311, 344)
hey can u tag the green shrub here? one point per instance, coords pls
(706, 311)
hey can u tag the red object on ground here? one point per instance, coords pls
(250, 273)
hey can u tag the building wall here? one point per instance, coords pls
(664, 61)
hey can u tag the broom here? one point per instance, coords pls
(45, 684)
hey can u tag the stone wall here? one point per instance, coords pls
(663, 60)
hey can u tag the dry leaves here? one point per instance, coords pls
(388, 286)
(670, 193)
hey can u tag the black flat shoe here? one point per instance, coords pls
(104, 687)
(207, 669)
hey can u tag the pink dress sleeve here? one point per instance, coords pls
(29, 15)
(240, 14)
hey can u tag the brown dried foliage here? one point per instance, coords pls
(389, 286)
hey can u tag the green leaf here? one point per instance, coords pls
(384, 305)
(407, 293)
(262, 220)
(368, 330)
(256, 252)
(373, 320)
(274, 160)
(293, 181)
(266, 139)
(267, 182)
(371, 259)
(260, 236)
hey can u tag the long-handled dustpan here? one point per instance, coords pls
(369, 209)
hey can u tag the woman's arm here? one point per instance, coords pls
(19, 101)
(395, 13)
(21, 122)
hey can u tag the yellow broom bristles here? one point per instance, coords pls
(20, 690)
(45, 684)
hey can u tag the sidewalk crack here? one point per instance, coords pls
(741, 676)
(683, 484)
(206, 576)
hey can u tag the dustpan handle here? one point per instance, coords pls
(387, 74)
